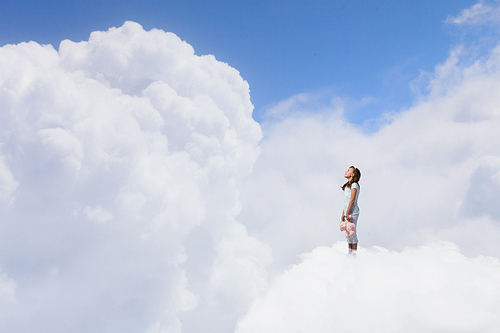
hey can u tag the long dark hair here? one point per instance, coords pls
(355, 178)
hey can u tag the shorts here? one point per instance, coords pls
(354, 238)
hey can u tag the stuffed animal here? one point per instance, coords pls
(348, 227)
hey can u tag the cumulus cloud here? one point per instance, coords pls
(432, 288)
(116, 154)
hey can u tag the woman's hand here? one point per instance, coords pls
(348, 218)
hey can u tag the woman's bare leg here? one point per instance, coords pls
(353, 248)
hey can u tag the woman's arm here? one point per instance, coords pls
(351, 203)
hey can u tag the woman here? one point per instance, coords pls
(350, 214)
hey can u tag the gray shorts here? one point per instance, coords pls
(354, 239)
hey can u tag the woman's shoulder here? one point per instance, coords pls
(355, 185)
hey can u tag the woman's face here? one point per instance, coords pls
(349, 173)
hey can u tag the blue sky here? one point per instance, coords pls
(354, 49)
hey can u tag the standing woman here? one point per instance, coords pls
(350, 213)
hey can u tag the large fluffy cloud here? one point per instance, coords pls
(432, 288)
(117, 154)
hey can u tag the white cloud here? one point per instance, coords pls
(425, 289)
(130, 129)
(64, 142)
(98, 214)
(8, 297)
(7, 290)
(477, 14)
(483, 13)
(8, 184)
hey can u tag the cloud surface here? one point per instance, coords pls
(432, 288)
